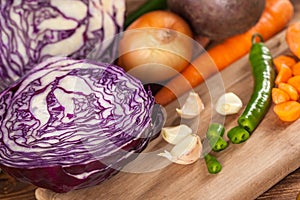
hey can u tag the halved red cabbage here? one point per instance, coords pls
(70, 124)
(32, 31)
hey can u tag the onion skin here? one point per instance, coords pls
(156, 46)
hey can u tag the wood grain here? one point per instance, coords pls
(10, 189)
(288, 188)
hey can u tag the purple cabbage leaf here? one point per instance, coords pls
(32, 31)
(70, 124)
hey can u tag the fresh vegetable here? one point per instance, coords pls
(288, 111)
(156, 46)
(70, 124)
(286, 94)
(219, 19)
(175, 134)
(283, 60)
(284, 74)
(238, 135)
(275, 17)
(214, 135)
(264, 75)
(229, 103)
(279, 96)
(185, 152)
(192, 106)
(261, 62)
(296, 69)
(295, 82)
(290, 90)
(212, 164)
(293, 38)
(148, 6)
(32, 31)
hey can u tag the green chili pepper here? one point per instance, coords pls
(215, 129)
(219, 145)
(150, 5)
(238, 135)
(264, 76)
(214, 135)
(212, 164)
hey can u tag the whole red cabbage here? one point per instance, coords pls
(70, 124)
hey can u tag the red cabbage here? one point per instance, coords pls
(70, 124)
(32, 31)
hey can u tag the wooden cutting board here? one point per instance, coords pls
(249, 169)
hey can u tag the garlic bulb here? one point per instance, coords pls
(229, 103)
(192, 106)
(185, 152)
(175, 134)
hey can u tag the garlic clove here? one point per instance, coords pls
(174, 135)
(192, 106)
(229, 103)
(185, 152)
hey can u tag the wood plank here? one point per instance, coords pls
(281, 192)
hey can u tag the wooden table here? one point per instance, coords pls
(286, 189)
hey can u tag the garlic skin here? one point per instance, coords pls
(175, 134)
(229, 103)
(192, 107)
(185, 152)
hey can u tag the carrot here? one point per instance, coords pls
(284, 74)
(283, 60)
(293, 38)
(295, 82)
(290, 90)
(296, 69)
(275, 17)
(279, 96)
(288, 111)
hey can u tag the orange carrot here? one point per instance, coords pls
(279, 96)
(275, 17)
(288, 111)
(283, 60)
(290, 90)
(284, 74)
(293, 38)
(296, 69)
(295, 82)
